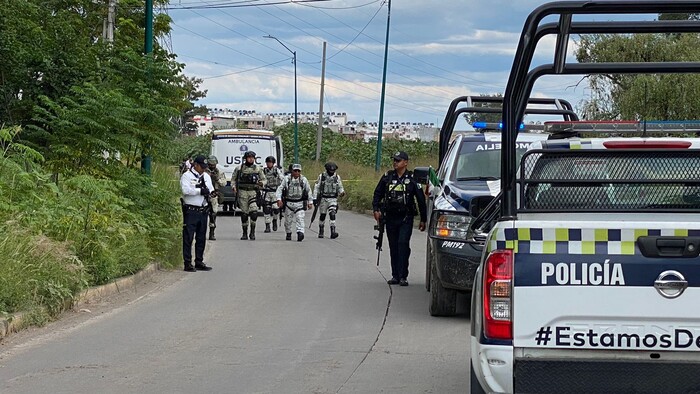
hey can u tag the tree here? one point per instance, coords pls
(653, 97)
(471, 117)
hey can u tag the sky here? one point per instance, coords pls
(438, 50)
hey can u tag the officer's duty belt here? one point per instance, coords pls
(196, 208)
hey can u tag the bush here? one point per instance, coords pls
(81, 230)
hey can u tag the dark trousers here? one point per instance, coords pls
(194, 227)
(398, 232)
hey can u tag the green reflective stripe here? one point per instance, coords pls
(587, 241)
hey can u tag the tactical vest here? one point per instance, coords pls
(273, 178)
(248, 177)
(329, 186)
(295, 190)
(215, 174)
(397, 193)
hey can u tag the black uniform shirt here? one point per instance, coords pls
(406, 184)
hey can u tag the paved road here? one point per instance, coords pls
(273, 316)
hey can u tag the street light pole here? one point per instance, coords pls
(296, 121)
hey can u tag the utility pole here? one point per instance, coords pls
(319, 135)
(108, 27)
(378, 161)
(148, 50)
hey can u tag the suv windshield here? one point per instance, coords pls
(481, 160)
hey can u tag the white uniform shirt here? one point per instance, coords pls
(191, 194)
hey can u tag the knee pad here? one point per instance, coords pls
(244, 218)
(267, 210)
(332, 215)
(254, 215)
(275, 211)
(322, 217)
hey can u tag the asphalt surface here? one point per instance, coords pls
(273, 316)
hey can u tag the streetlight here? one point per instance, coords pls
(296, 123)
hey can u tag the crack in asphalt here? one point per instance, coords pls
(381, 329)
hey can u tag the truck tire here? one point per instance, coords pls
(443, 302)
(474, 385)
(428, 263)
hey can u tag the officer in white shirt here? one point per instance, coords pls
(196, 187)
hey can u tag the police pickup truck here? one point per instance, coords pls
(467, 180)
(590, 279)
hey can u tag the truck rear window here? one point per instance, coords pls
(610, 180)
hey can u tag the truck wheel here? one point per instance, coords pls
(474, 385)
(428, 264)
(443, 302)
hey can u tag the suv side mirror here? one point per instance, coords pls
(420, 174)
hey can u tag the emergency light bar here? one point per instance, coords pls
(499, 126)
(623, 126)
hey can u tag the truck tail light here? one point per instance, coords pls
(498, 295)
(647, 144)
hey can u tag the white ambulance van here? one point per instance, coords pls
(229, 145)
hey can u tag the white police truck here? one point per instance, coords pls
(590, 280)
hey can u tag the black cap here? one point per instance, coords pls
(201, 160)
(401, 155)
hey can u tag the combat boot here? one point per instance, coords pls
(334, 235)
(244, 237)
(320, 231)
(274, 224)
(212, 237)
(267, 227)
(252, 233)
(289, 237)
(300, 236)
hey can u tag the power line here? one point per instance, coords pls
(359, 33)
(247, 70)
(358, 57)
(239, 5)
(341, 8)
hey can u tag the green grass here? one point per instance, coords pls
(359, 180)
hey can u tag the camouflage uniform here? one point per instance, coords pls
(326, 191)
(219, 181)
(296, 194)
(249, 179)
(274, 178)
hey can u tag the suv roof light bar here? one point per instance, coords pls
(522, 79)
(561, 107)
(623, 126)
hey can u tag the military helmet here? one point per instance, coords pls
(270, 159)
(212, 160)
(331, 167)
(249, 153)
(296, 167)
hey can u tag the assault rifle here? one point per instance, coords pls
(380, 235)
(207, 196)
(317, 201)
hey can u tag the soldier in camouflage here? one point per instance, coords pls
(327, 189)
(295, 194)
(274, 177)
(218, 180)
(249, 180)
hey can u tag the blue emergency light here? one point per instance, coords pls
(486, 125)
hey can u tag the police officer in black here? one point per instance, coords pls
(395, 200)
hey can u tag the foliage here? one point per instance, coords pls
(185, 146)
(642, 96)
(340, 147)
(491, 118)
(78, 230)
